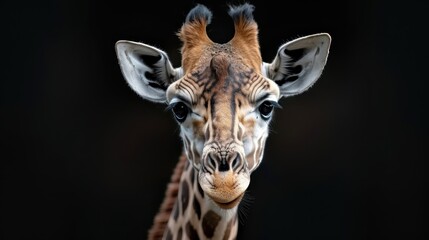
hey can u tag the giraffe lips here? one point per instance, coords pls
(225, 189)
(230, 204)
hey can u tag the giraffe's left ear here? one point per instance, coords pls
(147, 69)
(299, 63)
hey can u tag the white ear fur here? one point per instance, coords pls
(147, 69)
(299, 63)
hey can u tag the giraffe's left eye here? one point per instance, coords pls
(266, 109)
(180, 111)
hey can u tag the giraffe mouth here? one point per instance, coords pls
(230, 204)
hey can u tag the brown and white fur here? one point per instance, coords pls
(223, 98)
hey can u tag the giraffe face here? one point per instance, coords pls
(224, 108)
(223, 95)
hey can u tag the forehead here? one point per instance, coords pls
(221, 72)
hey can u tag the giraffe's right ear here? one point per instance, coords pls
(147, 69)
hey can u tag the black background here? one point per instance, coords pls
(84, 157)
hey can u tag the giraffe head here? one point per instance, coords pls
(223, 96)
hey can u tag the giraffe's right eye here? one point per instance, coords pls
(180, 111)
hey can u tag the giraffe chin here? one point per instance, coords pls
(228, 204)
(225, 189)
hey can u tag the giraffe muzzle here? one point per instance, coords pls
(224, 178)
(225, 188)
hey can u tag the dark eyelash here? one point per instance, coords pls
(170, 106)
(276, 104)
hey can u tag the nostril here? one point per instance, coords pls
(235, 162)
(223, 166)
(212, 162)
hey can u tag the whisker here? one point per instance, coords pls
(244, 207)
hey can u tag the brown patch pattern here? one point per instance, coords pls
(210, 222)
(184, 195)
(180, 234)
(197, 208)
(191, 232)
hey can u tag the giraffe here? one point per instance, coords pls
(223, 97)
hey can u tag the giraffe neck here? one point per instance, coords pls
(161, 219)
(195, 216)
